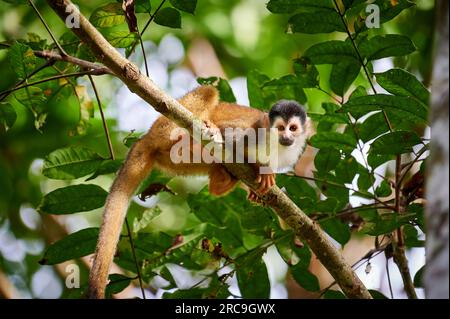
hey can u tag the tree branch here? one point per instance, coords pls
(129, 73)
(94, 67)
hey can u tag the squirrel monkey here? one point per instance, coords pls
(153, 151)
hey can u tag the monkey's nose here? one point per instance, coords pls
(286, 141)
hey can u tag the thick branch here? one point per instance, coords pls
(129, 73)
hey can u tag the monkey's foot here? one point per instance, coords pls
(254, 198)
(266, 181)
(211, 132)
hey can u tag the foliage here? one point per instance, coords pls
(230, 233)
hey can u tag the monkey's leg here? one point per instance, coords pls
(220, 181)
(132, 173)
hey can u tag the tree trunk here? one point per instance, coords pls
(436, 273)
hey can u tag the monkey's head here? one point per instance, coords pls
(289, 118)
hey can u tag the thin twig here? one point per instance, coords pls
(143, 54)
(389, 278)
(52, 78)
(398, 246)
(105, 125)
(94, 67)
(60, 48)
(111, 152)
(48, 63)
(133, 251)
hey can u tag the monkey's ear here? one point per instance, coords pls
(220, 181)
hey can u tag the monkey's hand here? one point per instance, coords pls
(212, 132)
(254, 198)
(266, 181)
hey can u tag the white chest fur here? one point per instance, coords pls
(287, 156)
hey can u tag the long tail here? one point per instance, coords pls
(136, 167)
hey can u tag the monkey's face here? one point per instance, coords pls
(288, 131)
(289, 118)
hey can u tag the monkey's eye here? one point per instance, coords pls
(281, 128)
(293, 128)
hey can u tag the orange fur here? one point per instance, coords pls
(153, 150)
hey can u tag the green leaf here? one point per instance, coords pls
(143, 6)
(402, 83)
(289, 6)
(73, 199)
(106, 167)
(377, 295)
(8, 115)
(117, 283)
(328, 205)
(121, 39)
(303, 194)
(408, 108)
(384, 190)
(384, 224)
(286, 87)
(334, 294)
(372, 127)
(305, 278)
(390, 9)
(359, 91)
(343, 74)
(253, 280)
(418, 277)
(167, 275)
(337, 229)
(417, 210)
(327, 159)
(22, 59)
(375, 160)
(71, 162)
(306, 73)
(169, 17)
(185, 5)
(382, 46)
(365, 179)
(394, 143)
(330, 52)
(147, 217)
(255, 81)
(336, 140)
(346, 170)
(16, 1)
(225, 90)
(351, 3)
(75, 245)
(315, 22)
(108, 15)
(331, 116)
(412, 237)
